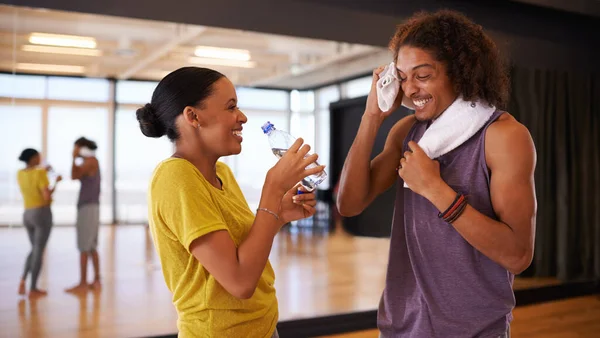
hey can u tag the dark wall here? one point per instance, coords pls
(376, 220)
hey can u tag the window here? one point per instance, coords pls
(65, 125)
(135, 92)
(302, 101)
(302, 124)
(22, 86)
(25, 132)
(325, 96)
(136, 158)
(78, 89)
(358, 87)
(262, 99)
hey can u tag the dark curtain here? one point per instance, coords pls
(562, 111)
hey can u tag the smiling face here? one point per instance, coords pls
(425, 82)
(220, 120)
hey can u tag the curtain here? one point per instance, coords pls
(562, 112)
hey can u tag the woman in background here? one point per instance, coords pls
(37, 218)
(88, 210)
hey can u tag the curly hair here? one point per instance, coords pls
(472, 59)
(84, 142)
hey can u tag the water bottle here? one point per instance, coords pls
(52, 175)
(280, 142)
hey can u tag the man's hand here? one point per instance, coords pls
(420, 173)
(372, 107)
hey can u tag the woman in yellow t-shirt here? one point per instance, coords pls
(213, 249)
(37, 218)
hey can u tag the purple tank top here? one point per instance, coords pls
(437, 284)
(90, 190)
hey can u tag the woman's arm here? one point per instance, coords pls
(238, 269)
(47, 191)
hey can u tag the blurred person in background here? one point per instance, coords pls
(88, 210)
(37, 218)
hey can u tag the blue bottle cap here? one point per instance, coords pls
(267, 127)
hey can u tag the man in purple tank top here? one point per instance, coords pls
(88, 212)
(464, 224)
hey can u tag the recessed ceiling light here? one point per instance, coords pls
(222, 62)
(38, 67)
(222, 53)
(62, 40)
(61, 50)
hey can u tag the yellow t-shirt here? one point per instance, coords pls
(184, 206)
(31, 183)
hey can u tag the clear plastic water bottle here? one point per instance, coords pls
(52, 175)
(280, 142)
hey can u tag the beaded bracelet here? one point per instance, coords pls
(268, 211)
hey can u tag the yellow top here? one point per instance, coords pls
(184, 206)
(31, 183)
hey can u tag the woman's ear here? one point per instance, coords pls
(191, 116)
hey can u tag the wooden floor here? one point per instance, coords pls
(571, 318)
(317, 275)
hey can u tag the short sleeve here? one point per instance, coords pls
(43, 179)
(181, 198)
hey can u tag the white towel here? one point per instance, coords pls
(388, 87)
(86, 152)
(458, 123)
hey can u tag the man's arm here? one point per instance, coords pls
(511, 158)
(89, 166)
(362, 180)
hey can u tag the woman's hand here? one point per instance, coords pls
(295, 206)
(291, 168)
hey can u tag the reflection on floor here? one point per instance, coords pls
(316, 275)
(571, 318)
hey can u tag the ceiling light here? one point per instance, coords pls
(38, 67)
(221, 62)
(222, 53)
(62, 40)
(61, 50)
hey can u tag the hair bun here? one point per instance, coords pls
(150, 124)
(27, 154)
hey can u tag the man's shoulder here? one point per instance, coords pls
(507, 138)
(506, 129)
